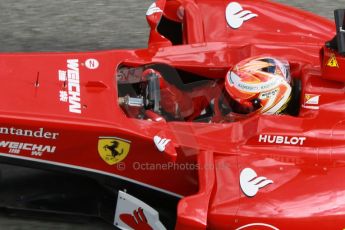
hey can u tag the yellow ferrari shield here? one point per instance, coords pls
(112, 149)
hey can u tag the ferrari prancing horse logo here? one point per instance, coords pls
(112, 149)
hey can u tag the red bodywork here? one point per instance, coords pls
(302, 155)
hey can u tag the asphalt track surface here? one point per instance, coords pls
(77, 25)
(70, 25)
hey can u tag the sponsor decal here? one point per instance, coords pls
(286, 140)
(91, 63)
(35, 149)
(129, 75)
(136, 219)
(132, 213)
(269, 94)
(161, 143)
(285, 158)
(311, 101)
(71, 78)
(236, 16)
(258, 226)
(250, 182)
(153, 9)
(112, 149)
(253, 88)
(332, 62)
(40, 133)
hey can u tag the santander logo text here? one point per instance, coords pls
(236, 16)
(161, 143)
(251, 183)
(153, 9)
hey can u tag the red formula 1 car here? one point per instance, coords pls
(146, 128)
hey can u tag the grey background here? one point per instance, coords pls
(70, 25)
(75, 25)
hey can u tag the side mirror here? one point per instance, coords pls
(153, 16)
(154, 13)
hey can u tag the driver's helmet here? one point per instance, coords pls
(260, 85)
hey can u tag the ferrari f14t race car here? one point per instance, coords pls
(233, 117)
